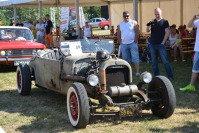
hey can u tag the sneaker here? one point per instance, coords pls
(188, 88)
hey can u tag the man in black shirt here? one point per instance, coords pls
(19, 23)
(159, 28)
(48, 32)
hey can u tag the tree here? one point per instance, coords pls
(92, 12)
(3, 19)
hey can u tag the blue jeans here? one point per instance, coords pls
(130, 52)
(161, 50)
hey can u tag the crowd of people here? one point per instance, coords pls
(42, 30)
(160, 33)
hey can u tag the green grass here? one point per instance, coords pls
(98, 31)
(45, 111)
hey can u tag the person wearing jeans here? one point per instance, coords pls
(161, 50)
(160, 31)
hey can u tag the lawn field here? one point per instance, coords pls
(45, 111)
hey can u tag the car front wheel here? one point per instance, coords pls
(161, 91)
(78, 105)
(23, 79)
(106, 27)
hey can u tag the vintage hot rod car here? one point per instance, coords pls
(93, 78)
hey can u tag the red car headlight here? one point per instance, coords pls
(3, 53)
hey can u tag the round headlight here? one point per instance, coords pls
(93, 80)
(9, 52)
(3, 53)
(146, 77)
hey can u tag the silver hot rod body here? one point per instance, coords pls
(84, 70)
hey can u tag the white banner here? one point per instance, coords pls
(64, 18)
(68, 18)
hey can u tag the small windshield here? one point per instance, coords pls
(15, 34)
(90, 45)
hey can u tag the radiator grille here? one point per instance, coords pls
(115, 75)
(21, 52)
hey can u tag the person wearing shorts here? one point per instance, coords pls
(48, 32)
(194, 22)
(128, 33)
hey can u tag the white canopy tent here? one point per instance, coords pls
(62, 3)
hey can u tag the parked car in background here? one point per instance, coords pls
(94, 22)
(17, 45)
(105, 24)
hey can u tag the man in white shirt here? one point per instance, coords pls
(40, 31)
(128, 33)
(194, 22)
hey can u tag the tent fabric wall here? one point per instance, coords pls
(170, 11)
(116, 9)
(190, 8)
(177, 12)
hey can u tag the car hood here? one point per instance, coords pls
(4, 45)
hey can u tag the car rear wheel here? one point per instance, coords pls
(106, 27)
(78, 105)
(163, 94)
(23, 79)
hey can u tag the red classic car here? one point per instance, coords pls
(17, 45)
(105, 24)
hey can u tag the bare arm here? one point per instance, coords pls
(91, 30)
(137, 32)
(148, 28)
(51, 29)
(167, 32)
(190, 24)
(119, 35)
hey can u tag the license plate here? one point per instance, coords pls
(16, 63)
(129, 110)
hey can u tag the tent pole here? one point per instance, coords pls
(40, 9)
(77, 17)
(135, 10)
(15, 13)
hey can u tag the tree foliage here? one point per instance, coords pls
(6, 13)
(92, 12)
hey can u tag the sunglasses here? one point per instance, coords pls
(126, 16)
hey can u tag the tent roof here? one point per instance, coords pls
(56, 3)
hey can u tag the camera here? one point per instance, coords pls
(150, 23)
